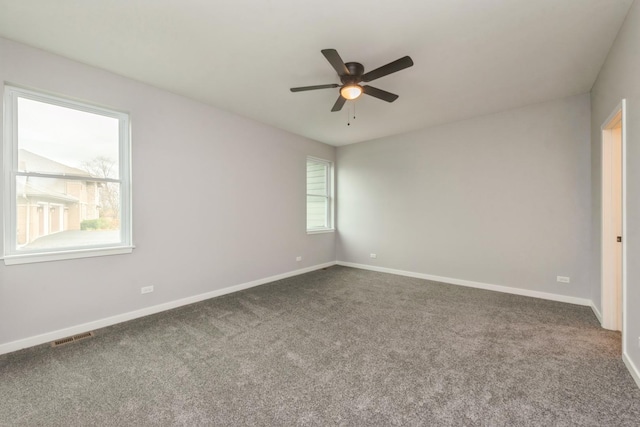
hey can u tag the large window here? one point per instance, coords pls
(66, 179)
(319, 195)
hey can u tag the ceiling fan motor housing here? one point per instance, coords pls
(356, 70)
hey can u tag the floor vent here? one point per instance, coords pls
(68, 340)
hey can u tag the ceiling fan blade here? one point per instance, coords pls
(303, 88)
(339, 104)
(379, 93)
(392, 67)
(336, 62)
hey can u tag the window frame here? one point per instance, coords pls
(329, 214)
(11, 254)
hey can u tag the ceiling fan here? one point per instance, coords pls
(352, 74)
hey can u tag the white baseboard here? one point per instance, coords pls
(632, 368)
(97, 324)
(109, 321)
(596, 312)
(472, 284)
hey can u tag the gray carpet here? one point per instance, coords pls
(334, 347)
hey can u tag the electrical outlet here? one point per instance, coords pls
(563, 279)
(298, 258)
(146, 290)
(373, 255)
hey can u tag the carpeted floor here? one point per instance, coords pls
(334, 347)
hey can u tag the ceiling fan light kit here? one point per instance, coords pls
(351, 92)
(352, 74)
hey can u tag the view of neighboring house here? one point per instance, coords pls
(50, 205)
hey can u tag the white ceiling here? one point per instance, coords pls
(472, 57)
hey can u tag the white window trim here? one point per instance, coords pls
(10, 165)
(65, 255)
(330, 197)
(321, 230)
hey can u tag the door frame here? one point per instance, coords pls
(609, 304)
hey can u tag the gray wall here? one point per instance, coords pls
(618, 79)
(218, 200)
(502, 199)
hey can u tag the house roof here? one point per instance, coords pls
(472, 57)
(31, 162)
(35, 191)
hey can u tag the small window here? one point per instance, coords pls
(66, 180)
(319, 195)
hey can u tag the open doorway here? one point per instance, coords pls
(613, 219)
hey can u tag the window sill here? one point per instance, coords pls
(65, 255)
(321, 231)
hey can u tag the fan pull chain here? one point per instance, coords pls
(349, 114)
